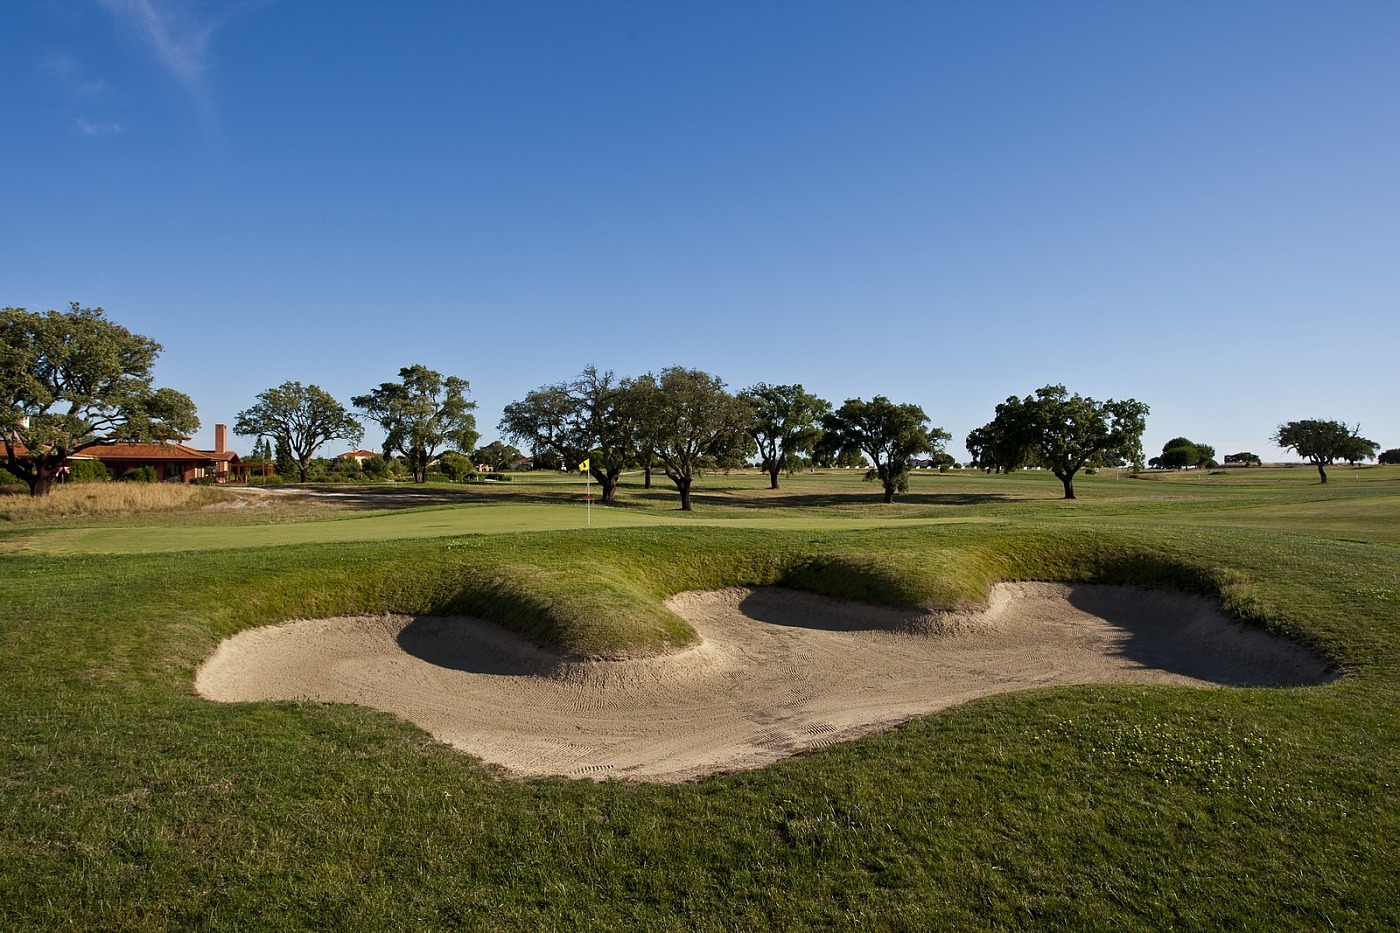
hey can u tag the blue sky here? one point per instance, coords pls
(1193, 204)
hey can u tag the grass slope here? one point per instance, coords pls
(126, 802)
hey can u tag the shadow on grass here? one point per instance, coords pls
(378, 498)
(836, 500)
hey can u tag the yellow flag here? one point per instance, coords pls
(583, 467)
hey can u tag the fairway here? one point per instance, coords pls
(852, 792)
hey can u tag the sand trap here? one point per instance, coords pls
(776, 672)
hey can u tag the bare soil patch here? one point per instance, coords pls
(776, 673)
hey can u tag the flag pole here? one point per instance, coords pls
(586, 468)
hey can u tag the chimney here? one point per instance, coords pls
(220, 438)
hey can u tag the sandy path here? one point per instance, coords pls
(776, 672)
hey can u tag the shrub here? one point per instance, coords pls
(141, 474)
(455, 466)
(379, 469)
(88, 471)
(344, 470)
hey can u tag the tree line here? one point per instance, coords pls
(73, 380)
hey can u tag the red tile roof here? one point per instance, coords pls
(146, 452)
(140, 452)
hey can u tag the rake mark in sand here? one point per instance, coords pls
(776, 672)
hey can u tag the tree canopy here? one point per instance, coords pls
(1244, 457)
(420, 415)
(303, 418)
(1069, 432)
(496, 456)
(1324, 442)
(1389, 456)
(1356, 449)
(785, 422)
(71, 380)
(1003, 445)
(590, 418)
(1180, 453)
(689, 422)
(889, 434)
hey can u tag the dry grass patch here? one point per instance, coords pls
(107, 499)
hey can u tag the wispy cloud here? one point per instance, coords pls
(90, 128)
(178, 34)
(93, 93)
(95, 88)
(65, 69)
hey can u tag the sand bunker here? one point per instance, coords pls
(776, 672)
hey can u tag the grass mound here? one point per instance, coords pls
(600, 594)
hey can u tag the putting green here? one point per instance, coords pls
(443, 522)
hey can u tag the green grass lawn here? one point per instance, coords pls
(127, 802)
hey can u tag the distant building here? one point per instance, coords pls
(173, 462)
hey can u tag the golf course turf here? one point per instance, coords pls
(129, 802)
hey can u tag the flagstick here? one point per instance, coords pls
(588, 494)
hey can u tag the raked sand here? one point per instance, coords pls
(775, 672)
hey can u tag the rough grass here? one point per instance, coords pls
(128, 803)
(104, 500)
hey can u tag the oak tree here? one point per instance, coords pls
(421, 415)
(785, 422)
(1069, 432)
(688, 422)
(1324, 442)
(590, 418)
(1003, 445)
(496, 456)
(1180, 453)
(300, 419)
(71, 380)
(888, 434)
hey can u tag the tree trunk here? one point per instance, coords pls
(1068, 480)
(43, 473)
(302, 468)
(42, 483)
(607, 482)
(1321, 472)
(683, 486)
(889, 493)
(646, 476)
